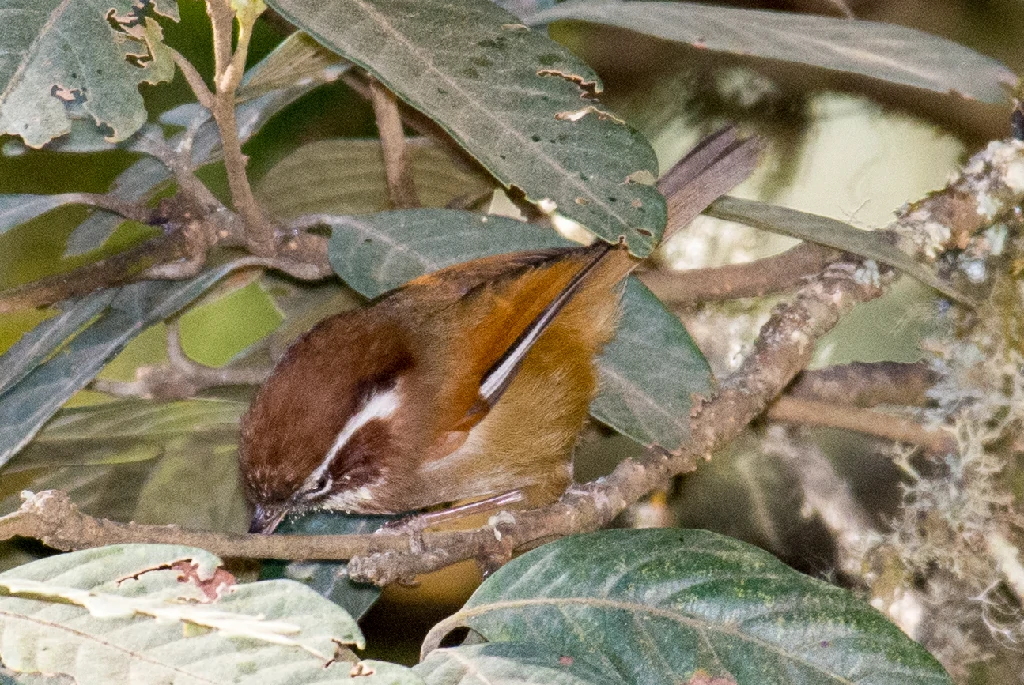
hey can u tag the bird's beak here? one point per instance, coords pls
(265, 519)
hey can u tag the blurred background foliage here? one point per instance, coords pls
(839, 145)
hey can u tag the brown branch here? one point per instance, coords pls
(864, 384)
(124, 267)
(867, 421)
(110, 203)
(767, 276)
(397, 170)
(259, 230)
(180, 378)
(51, 517)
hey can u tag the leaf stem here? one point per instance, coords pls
(401, 187)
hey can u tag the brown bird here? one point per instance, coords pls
(470, 383)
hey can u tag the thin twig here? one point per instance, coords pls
(119, 269)
(194, 79)
(866, 384)
(767, 276)
(259, 230)
(110, 203)
(180, 378)
(397, 170)
(867, 421)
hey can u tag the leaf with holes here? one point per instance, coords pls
(515, 100)
(889, 52)
(651, 370)
(45, 77)
(161, 613)
(265, 91)
(689, 606)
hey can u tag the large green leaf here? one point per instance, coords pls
(61, 54)
(266, 90)
(39, 343)
(509, 663)
(346, 176)
(649, 371)
(884, 51)
(150, 462)
(831, 233)
(115, 432)
(509, 96)
(681, 606)
(40, 393)
(162, 614)
(379, 252)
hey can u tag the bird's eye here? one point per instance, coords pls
(319, 488)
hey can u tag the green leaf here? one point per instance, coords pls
(39, 343)
(160, 613)
(509, 663)
(669, 606)
(310, 68)
(346, 176)
(328, 579)
(379, 252)
(17, 209)
(113, 433)
(649, 371)
(508, 95)
(26, 406)
(43, 71)
(150, 462)
(831, 233)
(103, 491)
(195, 484)
(143, 420)
(889, 52)
(296, 58)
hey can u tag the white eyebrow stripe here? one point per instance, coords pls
(379, 406)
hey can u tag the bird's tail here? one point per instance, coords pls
(718, 163)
